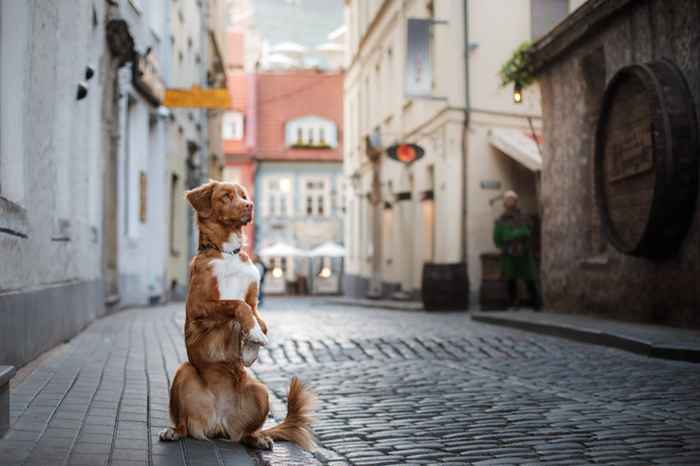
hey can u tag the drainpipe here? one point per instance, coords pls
(464, 135)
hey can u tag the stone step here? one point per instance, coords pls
(6, 374)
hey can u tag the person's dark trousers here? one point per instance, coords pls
(531, 290)
(261, 295)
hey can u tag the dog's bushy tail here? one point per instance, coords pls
(296, 427)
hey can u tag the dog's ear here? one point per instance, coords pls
(200, 198)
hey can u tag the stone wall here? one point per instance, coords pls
(580, 272)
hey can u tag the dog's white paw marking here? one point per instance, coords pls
(168, 435)
(257, 336)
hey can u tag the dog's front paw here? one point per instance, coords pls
(265, 442)
(262, 442)
(168, 435)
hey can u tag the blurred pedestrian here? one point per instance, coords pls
(512, 234)
(262, 268)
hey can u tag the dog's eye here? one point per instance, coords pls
(226, 197)
(245, 198)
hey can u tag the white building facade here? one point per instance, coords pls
(478, 142)
(143, 158)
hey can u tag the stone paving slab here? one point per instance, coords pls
(377, 303)
(395, 387)
(650, 340)
(104, 399)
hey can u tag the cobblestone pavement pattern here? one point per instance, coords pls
(394, 387)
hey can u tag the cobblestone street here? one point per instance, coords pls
(395, 388)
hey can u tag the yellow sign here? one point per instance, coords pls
(197, 98)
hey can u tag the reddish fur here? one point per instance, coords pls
(195, 393)
(217, 219)
(214, 332)
(296, 427)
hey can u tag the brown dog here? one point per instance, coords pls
(221, 274)
(212, 395)
(222, 400)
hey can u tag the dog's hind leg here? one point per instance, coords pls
(245, 423)
(191, 405)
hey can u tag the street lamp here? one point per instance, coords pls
(518, 93)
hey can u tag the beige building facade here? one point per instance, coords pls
(478, 142)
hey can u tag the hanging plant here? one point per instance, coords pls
(517, 70)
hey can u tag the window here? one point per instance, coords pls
(232, 126)
(174, 190)
(545, 14)
(316, 193)
(277, 190)
(311, 131)
(143, 196)
(232, 175)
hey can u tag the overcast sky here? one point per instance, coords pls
(306, 22)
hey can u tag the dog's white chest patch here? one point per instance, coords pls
(234, 276)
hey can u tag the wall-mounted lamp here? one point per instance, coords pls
(82, 90)
(277, 272)
(518, 93)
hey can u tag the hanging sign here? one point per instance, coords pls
(405, 153)
(197, 98)
(418, 79)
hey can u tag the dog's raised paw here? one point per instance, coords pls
(168, 435)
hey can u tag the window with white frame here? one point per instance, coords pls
(316, 196)
(232, 126)
(277, 197)
(312, 132)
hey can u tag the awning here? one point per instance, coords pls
(281, 250)
(518, 145)
(328, 249)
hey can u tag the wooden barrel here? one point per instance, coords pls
(493, 292)
(445, 286)
(646, 160)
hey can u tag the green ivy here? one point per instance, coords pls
(517, 69)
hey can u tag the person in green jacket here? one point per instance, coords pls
(512, 234)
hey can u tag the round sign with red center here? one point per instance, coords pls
(405, 153)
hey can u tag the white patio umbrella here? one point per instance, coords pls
(328, 249)
(279, 60)
(281, 250)
(289, 48)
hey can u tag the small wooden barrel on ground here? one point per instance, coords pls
(493, 294)
(445, 286)
(646, 160)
